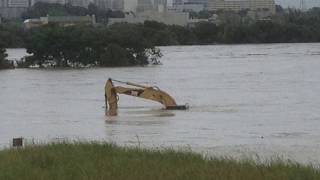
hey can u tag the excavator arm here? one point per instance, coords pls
(141, 91)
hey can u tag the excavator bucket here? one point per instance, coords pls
(137, 90)
(177, 107)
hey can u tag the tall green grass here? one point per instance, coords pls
(94, 161)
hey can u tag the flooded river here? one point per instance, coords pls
(245, 100)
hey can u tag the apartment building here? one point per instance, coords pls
(189, 5)
(238, 5)
(13, 8)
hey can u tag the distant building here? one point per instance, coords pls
(132, 5)
(139, 11)
(256, 9)
(80, 3)
(152, 5)
(169, 18)
(116, 5)
(61, 20)
(189, 5)
(152, 10)
(19, 3)
(13, 8)
(50, 1)
(31, 23)
(238, 5)
(181, 2)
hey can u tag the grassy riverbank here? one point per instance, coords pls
(104, 161)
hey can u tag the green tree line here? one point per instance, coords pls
(286, 27)
(134, 44)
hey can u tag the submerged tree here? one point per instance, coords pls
(119, 45)
(3, 55)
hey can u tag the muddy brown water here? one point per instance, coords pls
(245, 101)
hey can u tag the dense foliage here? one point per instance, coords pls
(287, 26)
(12, 35)
(3, 55)
(118, 45)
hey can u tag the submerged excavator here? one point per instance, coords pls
(137, 90)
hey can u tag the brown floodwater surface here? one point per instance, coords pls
(245, 100)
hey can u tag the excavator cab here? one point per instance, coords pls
(137, 90)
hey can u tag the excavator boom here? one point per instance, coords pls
(141, 91)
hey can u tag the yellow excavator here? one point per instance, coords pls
(137, 90)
